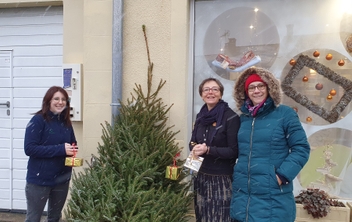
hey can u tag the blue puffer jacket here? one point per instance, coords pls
(44, 143)
(271, 143)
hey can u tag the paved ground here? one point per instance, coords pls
(6, 216)
(19, 217)
(11, 217)
(14, 217)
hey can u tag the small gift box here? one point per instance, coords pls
(172, 172)
(73, 161)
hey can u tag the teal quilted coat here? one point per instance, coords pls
(273, 142)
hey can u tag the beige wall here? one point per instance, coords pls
(88, 40)
(167, 31)
(167, 25)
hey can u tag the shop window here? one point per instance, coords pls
(276, 35)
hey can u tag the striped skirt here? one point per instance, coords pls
(212, 197)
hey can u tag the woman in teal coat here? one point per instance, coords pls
(273, 148)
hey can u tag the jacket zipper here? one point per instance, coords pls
(249, 164)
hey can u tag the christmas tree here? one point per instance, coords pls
(126, 181)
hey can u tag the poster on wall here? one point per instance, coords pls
(308, 47)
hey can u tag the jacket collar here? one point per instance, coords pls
(266, 108)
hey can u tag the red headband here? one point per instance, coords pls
(252, 78)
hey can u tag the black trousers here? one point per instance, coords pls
(37, 197)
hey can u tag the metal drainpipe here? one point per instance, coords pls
(116, 58)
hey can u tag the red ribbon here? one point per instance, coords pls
(74, 154)
(174, 164)
(177, 155)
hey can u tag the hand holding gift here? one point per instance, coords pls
(72, 161)
(70, 149)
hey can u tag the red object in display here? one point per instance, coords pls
(319, 86)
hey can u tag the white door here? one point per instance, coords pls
(5, 128)
(30, 63)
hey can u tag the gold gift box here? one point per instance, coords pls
(172, 172)
(73, 161)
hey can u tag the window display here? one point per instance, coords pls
(308, 47)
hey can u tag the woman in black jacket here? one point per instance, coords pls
(215, 136)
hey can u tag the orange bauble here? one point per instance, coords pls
(329, 97)
(328, 56)
(316, 53)
(333, 92)
(292, 62)
(305, 79)
(341, 62)
(309, 119)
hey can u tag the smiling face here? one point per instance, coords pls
(58, 103)
(257, 92)
(211, 94)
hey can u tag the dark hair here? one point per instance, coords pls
(208, 80)
(46, 104)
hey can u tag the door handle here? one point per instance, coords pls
(6, 104)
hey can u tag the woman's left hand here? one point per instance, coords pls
(70, 149)
(200, 149)
(278, 180)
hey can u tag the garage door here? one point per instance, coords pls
(30, 62)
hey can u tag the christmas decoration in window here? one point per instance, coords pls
(329, 115)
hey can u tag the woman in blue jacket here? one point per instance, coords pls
(49, 138)
(273, 148)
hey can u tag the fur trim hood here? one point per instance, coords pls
(273, 84)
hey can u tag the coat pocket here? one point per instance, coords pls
(263, 179)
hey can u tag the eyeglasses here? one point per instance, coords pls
(57, 99)
(260, 87)
(214, 89)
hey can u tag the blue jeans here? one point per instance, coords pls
(37, 196)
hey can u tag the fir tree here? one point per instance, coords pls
(127, 180)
